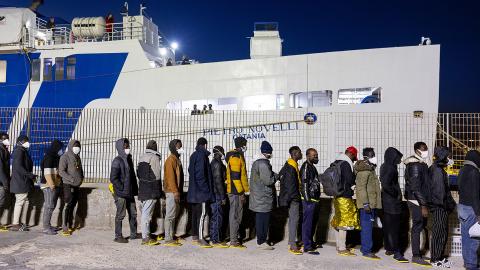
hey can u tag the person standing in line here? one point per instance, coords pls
(4, 175)
(149, 172)
(124, 183)
(289, 196)
(200, 191)
(369, 199)
(237, 186)
(71, 170)
(310, 190)
(51, 184)
(173, 187)
(392, 203)
(416, 191)
(262, 181)
(219, 172)
(441, 205)
(22, 180)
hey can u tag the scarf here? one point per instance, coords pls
(294, 164)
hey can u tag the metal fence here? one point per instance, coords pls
(98, 129)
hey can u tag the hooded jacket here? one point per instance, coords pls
(70, 167)
(49, 165)
(149, 172)
(289, 183)
(219, 172)
(22, 171)
(4, 166)
(237, 182)
(122, 174)
(416, 180)
(367, 185)
(440, 196)
(469, 181)
(391, 192)
(200, 185)
(310, 188)
(262, 186)
(347, 177)
(173, 171)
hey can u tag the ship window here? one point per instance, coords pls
(59, 68)
(359, 95)
(311, 99)
(263, 102)
(47, 69)
(3, 71)
(71, 62)
(36, 70)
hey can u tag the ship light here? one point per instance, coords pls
(174, 45)
(163, 51)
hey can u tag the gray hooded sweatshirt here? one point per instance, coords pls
(70, 167)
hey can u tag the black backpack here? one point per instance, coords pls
(331, 180)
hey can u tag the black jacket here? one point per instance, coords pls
(51, 159)
(22, 171)
(391, 192)
(440, 196)
(200, 185)
(219, 173)
(122, 174)
(469, 181)
(310, 189)
(348, 179)
(149, 171)
(4, 166)
(417, 180)
(289, 186)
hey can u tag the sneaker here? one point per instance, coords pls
(19, 228)
(311, 251)
(265, 246)
(66, 233)
(237, 245)
(136, 236)
(346, 253)
(371, 256)
(172, 243)
(220, 245)
(3, 228)
(160, 237)
(150, 242)
(389, 253)
(295, 250)
(204, 244)
(120, 240)
(49, 232)
(401, 259)
(441, 264)
(420, 262)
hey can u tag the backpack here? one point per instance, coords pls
(331, 180)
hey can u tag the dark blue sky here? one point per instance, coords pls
(216, 30)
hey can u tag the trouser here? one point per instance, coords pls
(70, 196)
(470, 246)
(20, 200)
(307, 224)
(341, 238)
(125, 205)
(216, 221)
(199, 212)
(293, 218)
(391, 233)
(366, 222)
(3, 201)
(439, 234)
(147, 211)
(235, 217)
(262, 222)
(418, 225)
(50, 197)
(171, 209)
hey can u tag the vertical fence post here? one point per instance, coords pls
(448, 129)
(123, 121)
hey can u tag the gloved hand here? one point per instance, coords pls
(424, 211)
(176, 196)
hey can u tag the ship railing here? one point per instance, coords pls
(121, 31)
(60, 34)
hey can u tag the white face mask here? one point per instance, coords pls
(76, 150)
(26, 145)
(373, 160)
(60, 152)
(180, 151)
(423, 154)
(6, 142)
(450, 162)
(244, 149)
(127, 151)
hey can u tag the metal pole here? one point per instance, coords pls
(448, 130)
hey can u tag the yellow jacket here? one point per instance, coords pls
(237, 181)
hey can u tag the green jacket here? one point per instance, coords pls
(367, 185)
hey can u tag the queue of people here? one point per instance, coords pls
(360, 196)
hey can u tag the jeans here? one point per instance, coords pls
(199, 213)
(293, 219)
(470, 246)
(20, 200)
(171, 209)
(235, 217)
(216, 221)
(147, 211)
(70, 196)
(418, 225)
(262, 222)
(366, 222)
(50, 197)
(125, 205)
(307, 224)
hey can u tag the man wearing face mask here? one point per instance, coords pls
(22, 180)
(124, 181)
(219, 175)
(441, 205)
(310, 190)
(4, 174)
(71, 170)
(392, 203)
(173, 188)
(262, 193)
(368, 199)
(237, 186)
(51, 181)
(416, 192)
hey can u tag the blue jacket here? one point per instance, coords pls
(200, 185)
